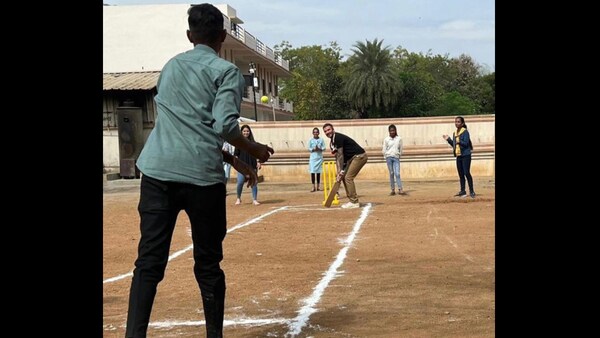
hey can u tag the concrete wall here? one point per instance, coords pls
(131, 36)
(110, 148)
(426, 154)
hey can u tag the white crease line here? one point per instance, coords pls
(313, 209)
(182, 251)
(254, 220)
(434, 236)
(456, 246)
(226, 322)
(296, 325)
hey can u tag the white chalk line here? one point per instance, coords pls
(312, 207)
(191, 246)
(304, 313)
(296, 325)
(434, 236)
(469, 258)
(226, 322)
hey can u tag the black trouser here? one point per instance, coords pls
(463, 165)
(160, 203)
(312, 178)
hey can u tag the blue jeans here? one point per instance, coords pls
(240, 186)
(393, 165)
(227, 169)
(160, 203)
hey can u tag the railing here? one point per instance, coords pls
(252, 42)
(270, 54)
(279, 103)
(239, 34)
(260, 47)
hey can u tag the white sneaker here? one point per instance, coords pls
(351, 205)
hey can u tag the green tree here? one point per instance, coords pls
(371, 85)
(453, 104)
(376, 82)
(420, 95)
(488, 97)
(469, 82)
(315, 85)
(461, 75)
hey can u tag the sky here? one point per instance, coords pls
(444, 27)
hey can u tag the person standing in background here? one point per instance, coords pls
(316, 145)
(462, 146)
(251, 161)
(392, 150)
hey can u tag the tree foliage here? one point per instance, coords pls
(453, 103)
(315, 86)
(372, 84)
(420, 95)
(378, 82)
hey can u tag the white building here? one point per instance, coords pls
(137, 42)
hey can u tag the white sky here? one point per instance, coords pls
(443, 27)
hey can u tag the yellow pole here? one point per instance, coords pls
(329, 176)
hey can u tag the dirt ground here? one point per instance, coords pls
(419, 265)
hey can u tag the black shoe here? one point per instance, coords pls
(472, 194)
(461, 194)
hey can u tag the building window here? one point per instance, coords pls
(117, 98)
(109, 119)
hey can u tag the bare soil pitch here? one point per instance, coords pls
(421, 265)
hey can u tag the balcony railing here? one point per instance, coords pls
(254, 44)
(279, 102)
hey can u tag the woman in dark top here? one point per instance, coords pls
(462, 146)
(252, 162)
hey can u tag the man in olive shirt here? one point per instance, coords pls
(352, 160)
(198, 102)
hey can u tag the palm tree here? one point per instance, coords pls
(371, 82)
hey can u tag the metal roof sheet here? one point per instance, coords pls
(130, 81)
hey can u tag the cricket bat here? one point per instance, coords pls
(336, 187)
(331, 196)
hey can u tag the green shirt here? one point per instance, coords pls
(198, 103)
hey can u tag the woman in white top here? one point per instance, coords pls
(392, 150)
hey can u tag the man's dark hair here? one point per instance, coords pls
(327, 124)
(205, 22)
(391, 126)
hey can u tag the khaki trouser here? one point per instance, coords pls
(357, 162)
